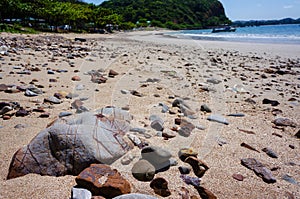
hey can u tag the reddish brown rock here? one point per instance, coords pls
(160, 187)
(198, 166)
(76, 78)
(101, 180)
(205, 193)
(112, 73)
(238, 177)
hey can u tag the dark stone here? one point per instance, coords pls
(272, 102)
(298, 134)
(22, 113)
(205, 193)
(101, 180)
(157, 156)
(199, 167)
(191, 180)
(143, 170)
(160, 187)
(284, 122)
(205, 108)
(80, 39)
(184, 170)
(270, 152)
(259, 169)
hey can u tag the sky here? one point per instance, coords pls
(254, 9)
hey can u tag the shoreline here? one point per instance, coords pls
(201, 72)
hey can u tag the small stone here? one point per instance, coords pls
(101, 180)
(44, 115)
(184, 170)
(29, 93)
(270, 152)
(20, 126)
(184, 153)
(72, 95)
(284, 122)
(238, 177)
(123, 91)
(218, 118)
(157, 123)
(6, 117)
(50, 72)
(259, 169)
(80, 87)
(112, 73)
(157, 156)
(127, 159)
(5, 109)
(160, 187)
(22, 113)
(76, 78)
(213, 81)
(236, 115)
(135, 139)
(79, 193)
(205, 193)
(165, 108)
(136, 93)
(168, 134)
(191, 180)
(143, 170)
(272, 102)
(289, 179)
(53, 100)
(205, 108)
(138, 130)
(199, 167)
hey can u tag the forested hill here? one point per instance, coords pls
(126, 14)
(180, 13)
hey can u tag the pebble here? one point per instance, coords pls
(127, 159)
(45, 115)
(5, 109)
(80, 193)
(272, 102)
(156, 123)
(75, 78)
(22, 113)
(270, 152)
(205, 108)
(184, 170)
(259, 169)
(157, 156)
(143, 170)
(64, 114)
(20, 126)
(123, 91)
(135, 196)
(284, 122)
(298, 134)
(199, 167)
(79, 87)
(53, 100)
(138, 130)
(135, 140)
(236, 115)
(218, 118)
(50, 72)
(191, 180)
(186, 152)
(213, 81)
(238, 177)
(165, 108)
(289, 179)
(112, 73)
(160, 187)
(29, 93)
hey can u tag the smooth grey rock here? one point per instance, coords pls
(213, 81)
(138, 130)
(5, 109)
(53, 100)
(29, 93)
(218, 118)
(143, 170)
(50, 72)
(158, 157)
(135, 196)
(80, 87)
(20, 126)
(284, 122)
(289, 179)
(165, 108)
(72, 95)
(70, 145)
(156, 123)
(79, 193)
(64, 114)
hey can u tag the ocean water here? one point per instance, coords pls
(281, 34)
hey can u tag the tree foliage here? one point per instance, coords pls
(127, 14)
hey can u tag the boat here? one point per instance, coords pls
(223, 29)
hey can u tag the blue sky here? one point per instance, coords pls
(254, 9)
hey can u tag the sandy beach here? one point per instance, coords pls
(229, 77)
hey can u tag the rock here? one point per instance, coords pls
(213, 81)
(53, 100)
(259, 169)
(75, 78)
(289, 179)
(243, 144)
(238, 177)
(138, 130)
(186, 128)
(22, 113)
(79, 193)
(136, 93)
(236, 115)
(76, 104)
(205, 108)
(298, 134)
(184, 170)
(160, 187)
(20, 126)
(45, 115)
(272, 102)
(101, 180)
(112, 73)
(127, 159)
(136, 140)
(64, 114)
(79, 87)
(205, 193)
(80, 39)
(199, 167)
(29, 93)
(123, 91)
(168, 134)
(184, 108)
(71, 95)
(135, 196)
(165, 108)
(184, 153)
(284, 122)
(156, 123)
(191, 180)
(270, 152)
(157, 156)
(3, 87)
(5, 108)
(143, 170)
(218, 118)
(50, 72)
(251, 101)
(6, 117)
(70, 145)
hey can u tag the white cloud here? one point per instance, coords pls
(288, 6)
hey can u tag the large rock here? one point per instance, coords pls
(70, 145)
(101, 180)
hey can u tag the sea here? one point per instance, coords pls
(280, 34)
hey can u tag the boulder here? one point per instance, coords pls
(101, 180)
(70, 144)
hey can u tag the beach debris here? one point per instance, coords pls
(101, 180)
(143, 170)
(218, 118)
(249, 147)
(270, 152)
(272, 102)
(160, 187)
(284, 122)
(69, 145)
(238, 177)
(259, 169)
